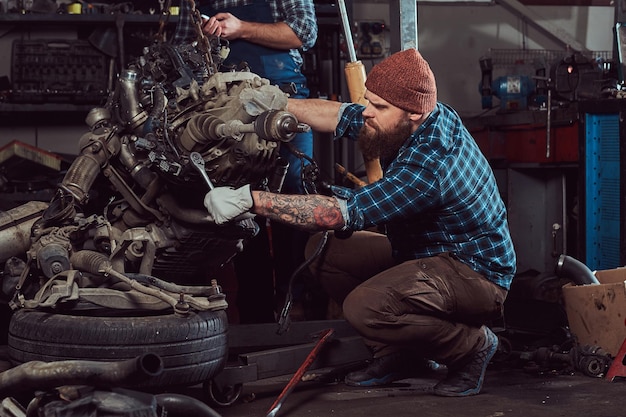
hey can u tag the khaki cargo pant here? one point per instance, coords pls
(433, 306)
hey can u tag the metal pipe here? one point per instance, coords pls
(575, 271)
(347, 30)
(200, 290)
(97, 263)
(131, 112)
(81, 175)
(37, 375)
(15, 228)
(548, 123)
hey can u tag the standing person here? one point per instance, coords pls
(269, 35)
(430, 286)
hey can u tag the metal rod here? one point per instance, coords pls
(324, 338)
(347, 30)
(548, 122)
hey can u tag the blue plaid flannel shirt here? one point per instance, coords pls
(438, 195)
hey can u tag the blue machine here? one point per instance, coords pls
(602, 222)
(513, 92)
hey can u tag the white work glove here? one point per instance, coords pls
(226, 203)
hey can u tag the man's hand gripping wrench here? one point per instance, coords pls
(198, 162)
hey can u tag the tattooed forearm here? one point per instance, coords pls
(308, 212)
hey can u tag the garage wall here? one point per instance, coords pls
(451, 37)
(454, 37)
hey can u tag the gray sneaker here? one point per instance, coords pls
(468, 379)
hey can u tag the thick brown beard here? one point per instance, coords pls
(375, 143)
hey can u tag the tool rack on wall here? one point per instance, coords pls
(65, 63)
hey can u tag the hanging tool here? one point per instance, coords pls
(284, 320)
(355, 77)
(354, 70)
(325, 336)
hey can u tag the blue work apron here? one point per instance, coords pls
(276, 65)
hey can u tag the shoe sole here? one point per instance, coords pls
(477, 389)
(375, 382)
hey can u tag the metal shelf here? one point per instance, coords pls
(45, 107)
(79, 19)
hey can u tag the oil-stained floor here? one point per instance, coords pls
(506, 393)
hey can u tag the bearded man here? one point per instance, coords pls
(430, 285)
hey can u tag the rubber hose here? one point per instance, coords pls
(38, 375)
(178, 405)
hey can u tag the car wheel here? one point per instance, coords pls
(193, 347)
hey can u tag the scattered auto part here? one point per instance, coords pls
(193, 347)
(134, 195)
(574, 270)
(124, 259)
(37, 375)
(592, 361)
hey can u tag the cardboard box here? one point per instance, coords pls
(597, 313)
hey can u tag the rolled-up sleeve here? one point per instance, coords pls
(350, 121)
(300, 16)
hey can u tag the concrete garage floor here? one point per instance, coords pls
(507, 393)
(514, 386)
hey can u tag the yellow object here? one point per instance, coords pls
(355, 78)
(174, 10)
(75, 8)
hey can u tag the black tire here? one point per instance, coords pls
(193, 347)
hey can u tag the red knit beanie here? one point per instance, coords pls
(405, 80)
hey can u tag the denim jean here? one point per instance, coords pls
(433, 306)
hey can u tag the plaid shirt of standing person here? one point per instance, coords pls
(298, 14)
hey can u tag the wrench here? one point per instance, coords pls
(198, 162)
